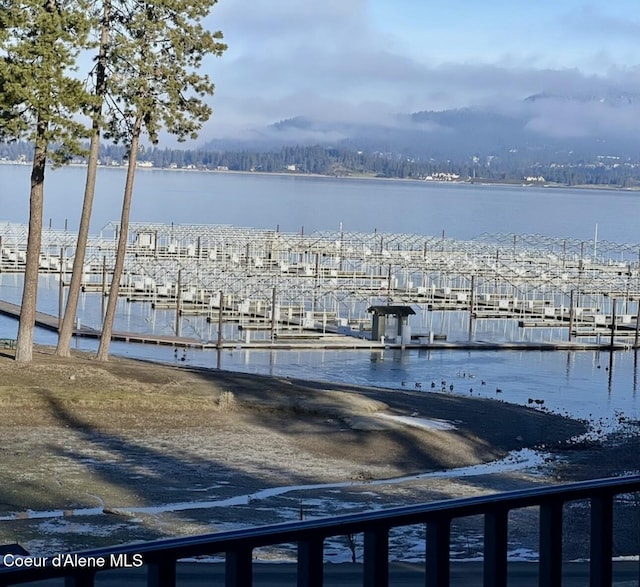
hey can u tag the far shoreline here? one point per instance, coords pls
(296, 174)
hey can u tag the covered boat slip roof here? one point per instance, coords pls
(341, 274)
(376, 242)
(391, 310)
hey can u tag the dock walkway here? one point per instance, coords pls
(317, 341)
(50, 322)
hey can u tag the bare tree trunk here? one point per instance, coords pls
(24, 346)
(66, 331)
(107, 325)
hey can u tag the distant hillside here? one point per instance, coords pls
(566, 140)
(543, 127)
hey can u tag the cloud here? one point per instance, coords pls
(570, 118)
(258, 27)
(590, 22)
(328, 61)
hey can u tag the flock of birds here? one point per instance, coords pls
(450, 387)
(445, 386)
(418, 384)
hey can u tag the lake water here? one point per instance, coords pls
(293, 202)
(585, 384)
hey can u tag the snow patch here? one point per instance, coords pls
(423, 423)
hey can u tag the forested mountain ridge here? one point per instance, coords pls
(344, 162)
(567, 140)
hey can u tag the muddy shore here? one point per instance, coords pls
(105, 453)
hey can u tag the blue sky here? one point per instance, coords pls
(556, 34)
(368, 60)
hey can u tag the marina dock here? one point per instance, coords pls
(314, 342)
(266, 288)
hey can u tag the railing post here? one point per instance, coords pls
(601, 540)
(238, 546)
(161, 573)
(238, 568)
(550, 572)
(495, 548)
(310, 570)
(376, 558)
(438, 546)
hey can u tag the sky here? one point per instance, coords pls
(369, 60)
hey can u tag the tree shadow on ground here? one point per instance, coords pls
(118, 469)
(485, 429)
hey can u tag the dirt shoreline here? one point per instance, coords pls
(89, 442)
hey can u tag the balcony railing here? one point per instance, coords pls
(160, 557)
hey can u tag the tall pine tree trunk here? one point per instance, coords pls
(66, 331)
(107, 325)
(24, 346)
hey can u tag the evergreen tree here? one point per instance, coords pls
(158, 47)
(40, 100)
(66, 331)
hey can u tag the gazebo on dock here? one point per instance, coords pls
(381, 316)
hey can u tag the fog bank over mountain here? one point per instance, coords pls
(543, 125)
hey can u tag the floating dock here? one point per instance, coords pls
(324, 282)
(294, 341)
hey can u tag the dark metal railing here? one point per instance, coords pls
(237, 547)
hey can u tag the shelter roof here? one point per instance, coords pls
(395, 310)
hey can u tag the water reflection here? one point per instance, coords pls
(583, 384)
(610, 370)
(569, 382)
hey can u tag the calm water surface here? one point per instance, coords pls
(591, 385)
(585, 384)
(296, 202)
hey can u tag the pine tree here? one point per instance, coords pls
(154, 84)
(63, 348)
(40, 100)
